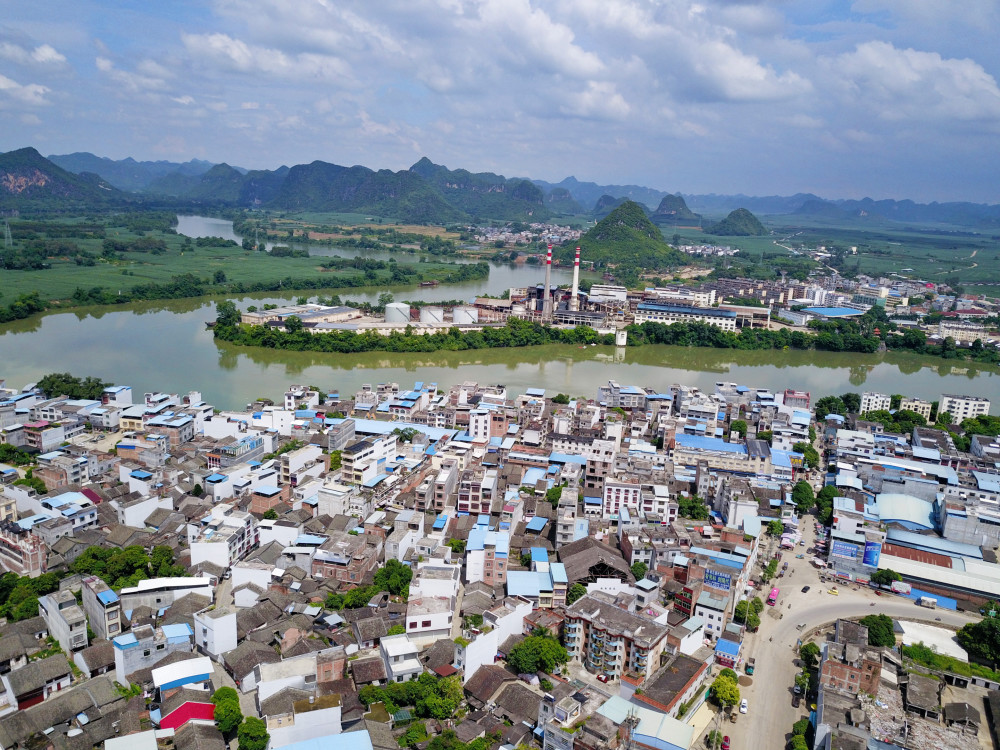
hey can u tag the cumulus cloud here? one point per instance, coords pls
(239, 56)
(32, 94)
(43, 54)
(906, 84)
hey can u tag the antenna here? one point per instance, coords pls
(8, 241)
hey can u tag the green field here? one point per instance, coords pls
(135, 268)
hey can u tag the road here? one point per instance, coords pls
(771, 715)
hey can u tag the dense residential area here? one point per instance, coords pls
(467, 568)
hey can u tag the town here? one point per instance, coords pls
(468, 567)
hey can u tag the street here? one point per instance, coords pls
(774, 646)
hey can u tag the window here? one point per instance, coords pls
(425, 624)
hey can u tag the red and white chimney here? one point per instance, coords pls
(574, 300)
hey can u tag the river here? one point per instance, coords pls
(165, 346)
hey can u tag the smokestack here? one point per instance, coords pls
(547, 298)
(574, 300)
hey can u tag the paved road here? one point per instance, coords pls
(771, 715)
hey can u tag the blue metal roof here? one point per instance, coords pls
(536, 524)
(215, 477)
(558, 571)
(440, 522)
(729, 648)
(699, 442)
(107, 597)
(833, 312)
(539, 554)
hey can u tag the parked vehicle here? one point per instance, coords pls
(725, 742)
(750, 665)
(927, 601)
(744, 706)
(796, 700)
(805, 589)
(602, 678)
(834, 591)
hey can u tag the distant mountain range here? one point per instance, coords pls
(425, 193)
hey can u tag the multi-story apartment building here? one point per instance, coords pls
(345, 557)
(619, 494)
(179, 428)
(145, 645)
(486, 556)
(872, 401)
(476, 490)
(963, 407)
(222, 536)
(44, 436)
(299, 465)
(921, 407)
(66, 620)
(796, 399)
(609, 640)
(103, 608)
(616, 396)
(21, 551)
(365, 459)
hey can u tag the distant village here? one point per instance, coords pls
(577, 569)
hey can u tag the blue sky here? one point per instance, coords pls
(875, 98)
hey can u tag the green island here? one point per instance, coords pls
(855, 335)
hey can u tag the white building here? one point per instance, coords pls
(871, 401)
(401, 658)
(222, 536)
(160, 593)
(963, 407)
(477, 649)
(215, 630)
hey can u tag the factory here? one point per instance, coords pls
(606, 308)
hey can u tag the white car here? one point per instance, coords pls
(744, 706)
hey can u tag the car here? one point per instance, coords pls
(796, 700)
(744, 706)
(878, 593)
(797, 690)
(805, 589)
(602, 678)
(725, 742)
(802, 543)
(834, 591)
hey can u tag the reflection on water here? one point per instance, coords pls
(166, 346)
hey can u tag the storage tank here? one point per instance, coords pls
(397, 312)
(432, 316)
(464, 316)
(519, 310)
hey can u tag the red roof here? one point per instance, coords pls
(92, 496)
(445, 670)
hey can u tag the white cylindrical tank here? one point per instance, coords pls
(397, 312)
(518, 311)
(621, 337)
(464, 316)
(432, 315)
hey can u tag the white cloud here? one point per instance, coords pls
(43, 54)
(907, 84)
(32, 94)
(237, 55)
(150, 78)
(185, 100)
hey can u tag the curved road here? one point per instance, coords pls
(771, 715)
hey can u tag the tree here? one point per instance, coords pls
(810, 454)
(336, 460)
(775, 527)
(803, 496)
(395, 578)
(560, 398)
(219, 277)
(739, 427)
(639, 569)
(457, 545)
(692, 507)
(575, 592)
(252, 734)
(880, 631)
(197, 491)
(228, 715)
(982, 640)
(799, 742)
(731, 674)
(270, 515)
(809, 653)
(830, 405)
(852, 401)
(396, 630)
(885, 577)
(744, 615)
(802, 680)
(725, 691)
(293, 324)
(66, 384)
(537, 652)
(416, 732)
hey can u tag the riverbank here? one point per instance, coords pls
(165, 346)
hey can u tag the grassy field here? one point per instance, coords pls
(239, 265)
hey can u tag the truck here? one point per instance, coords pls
(927, 601)
(899, 587)
(751, 663)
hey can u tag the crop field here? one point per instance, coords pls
(132, 269)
